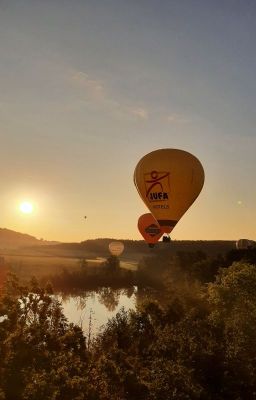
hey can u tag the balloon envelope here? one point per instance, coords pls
(244, 244)
(168, 181)
(149, 228)
(116, 248)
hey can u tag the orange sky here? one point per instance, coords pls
(88, 89)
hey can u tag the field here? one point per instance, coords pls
(40, 266)
(41, 261)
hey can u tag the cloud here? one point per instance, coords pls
(93, 87)
(95, 90)
(177, 119)
(139, 112)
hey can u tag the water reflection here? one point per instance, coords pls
(96, 306)
(144, 295)
(92, 309)
(109, 297)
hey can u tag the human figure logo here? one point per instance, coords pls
(157, 186)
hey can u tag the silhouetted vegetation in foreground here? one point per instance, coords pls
(197, 344)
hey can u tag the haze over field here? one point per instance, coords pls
(88, 88)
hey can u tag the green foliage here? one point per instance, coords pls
(112, 264)
(42, 356)
(245, 255)
(233, 300)
(181, 266)
(108, 274)
(199, 343)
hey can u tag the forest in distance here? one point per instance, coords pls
(192, 338)
(100, 246)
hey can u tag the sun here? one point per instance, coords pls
(26, 207)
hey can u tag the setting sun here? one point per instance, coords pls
(26, 207)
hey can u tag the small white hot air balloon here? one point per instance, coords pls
(245, 244)
(116, 248)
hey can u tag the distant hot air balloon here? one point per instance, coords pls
(168, 181)
(245, 244)
(149, 229)
(116, 248)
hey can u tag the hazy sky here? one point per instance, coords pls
(89, 87)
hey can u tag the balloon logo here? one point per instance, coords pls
(116, 248)
(149, 229)
(168, 181)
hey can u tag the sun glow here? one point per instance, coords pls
(26, 207)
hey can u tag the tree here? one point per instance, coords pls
(233, 301)
(42, 356)
(112, 263)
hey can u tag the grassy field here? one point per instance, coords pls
(27, 266)
(40, 266)
(132, 265)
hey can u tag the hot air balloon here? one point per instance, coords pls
(245, 244)
(116, 248)
(149, 229)
(168, 181)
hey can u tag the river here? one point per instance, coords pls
(96, 306)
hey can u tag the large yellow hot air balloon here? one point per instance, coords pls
(168, 181)
(116, 248)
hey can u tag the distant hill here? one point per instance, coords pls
(137, 248)
(27, 244)
(12, 240)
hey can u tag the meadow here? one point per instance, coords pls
(25, 267)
